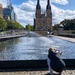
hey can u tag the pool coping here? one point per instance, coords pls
(25, 64)
(65, 38)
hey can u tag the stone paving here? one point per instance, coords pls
(68, 71)
(66, 38)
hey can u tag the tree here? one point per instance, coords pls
(14, 25)
(9, 24)
(17, 25)
(29, 27)
(3, 24)
(55, 27)
(68, 24)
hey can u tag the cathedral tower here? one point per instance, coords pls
(48, 9)
(49, 15)
(43, 22)
(38, 9)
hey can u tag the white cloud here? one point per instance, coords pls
(61, 14)
(29, 6)
(63, 2)
(3, 2)
(26, 11)
(24, 17)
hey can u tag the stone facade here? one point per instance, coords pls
(43, 22)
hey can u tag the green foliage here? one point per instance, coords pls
(73, 32)
(69, 31)
(55, 27)
(9, 24)
(29, 27)
(3, 24)
(17, 25)
(14, 25)
(68, 24)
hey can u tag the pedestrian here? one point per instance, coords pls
(54, 61)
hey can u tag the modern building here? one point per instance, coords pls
(8, 13)
(1, 11)
(43, 22)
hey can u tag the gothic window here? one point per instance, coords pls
(43, 21)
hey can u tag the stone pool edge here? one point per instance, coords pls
(27, 64)
(65, 38)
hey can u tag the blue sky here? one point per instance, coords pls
(25, 10)
(70, 5)
(18, 2)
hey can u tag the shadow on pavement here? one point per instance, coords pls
(50, 74)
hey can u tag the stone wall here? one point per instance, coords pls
(67, 35)
(42, 33)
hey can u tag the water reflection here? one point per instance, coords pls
(33, 48)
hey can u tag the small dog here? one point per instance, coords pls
(54, 61)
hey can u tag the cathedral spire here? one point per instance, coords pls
(38, 5)
(37, 2)
(48, 4)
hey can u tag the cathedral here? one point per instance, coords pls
(43, 22)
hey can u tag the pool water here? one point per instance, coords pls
(34, 48)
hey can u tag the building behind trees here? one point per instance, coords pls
(8, 13)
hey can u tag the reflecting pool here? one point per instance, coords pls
(34, 48)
